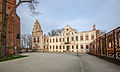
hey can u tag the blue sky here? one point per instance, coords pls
(79, 14)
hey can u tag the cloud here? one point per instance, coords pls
(79, 14)
(80, 24)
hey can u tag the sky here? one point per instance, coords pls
(79, 14)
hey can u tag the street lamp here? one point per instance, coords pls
(15, 49)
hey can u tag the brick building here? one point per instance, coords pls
(13, 28)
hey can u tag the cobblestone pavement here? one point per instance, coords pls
(58, 62)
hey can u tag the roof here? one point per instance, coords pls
(37, 27)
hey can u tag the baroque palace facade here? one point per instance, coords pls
(68, 41)
(13, 28)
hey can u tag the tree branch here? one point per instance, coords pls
(9, 15)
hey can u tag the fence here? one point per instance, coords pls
(107, 45)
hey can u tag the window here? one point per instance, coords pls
(34, 39)
(72, 33)
(47, 47)
(56, 40)
(72, 47)
(38, 39)
(50, 40)
(50, 47)
(60, 40)
(81, 46)
(63, 39)
(8, 7)
(86, 46)
(72, 38)
(67, 39)
(67, 29)
(56, 47)
(87, 38)
(53, 47)
(47, 40)
(53, 40)
(76, 46)
(60, 47)
(81, 37)
(18, 35)
(63, 47)
(66, 34)
(92, 37)
(44, 46)
(76, 38)
(44, 40)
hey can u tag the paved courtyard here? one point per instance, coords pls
(58, 62)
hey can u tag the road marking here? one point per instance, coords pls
(82, 67)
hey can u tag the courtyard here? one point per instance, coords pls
(58, 62)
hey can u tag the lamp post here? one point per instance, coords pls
(15, 49)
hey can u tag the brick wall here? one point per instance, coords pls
(13, 27)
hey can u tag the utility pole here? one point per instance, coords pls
(3, 28)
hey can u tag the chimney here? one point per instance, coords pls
(94, 27)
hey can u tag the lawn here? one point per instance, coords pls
(12, 57)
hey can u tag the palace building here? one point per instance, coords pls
(13, 28)
(68, 41)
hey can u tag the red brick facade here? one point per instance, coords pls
(13, 27)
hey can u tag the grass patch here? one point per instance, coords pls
(12, 57)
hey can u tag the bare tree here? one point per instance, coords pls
(26, 41)
(23, 41)
(102, 32)
(54, 32)
(29, 41)
(31, 6)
